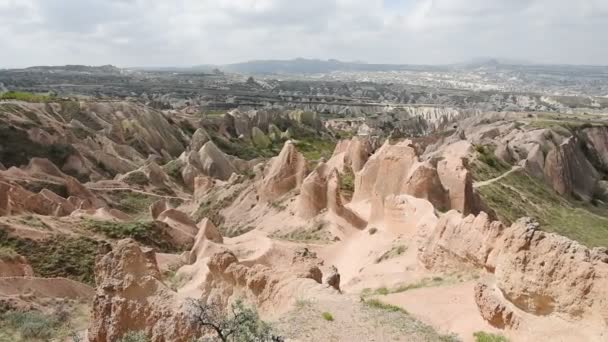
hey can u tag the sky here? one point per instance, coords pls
(193, 32)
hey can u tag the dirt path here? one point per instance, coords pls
(137, 191)
(490, 181)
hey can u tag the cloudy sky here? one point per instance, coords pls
(191, 32)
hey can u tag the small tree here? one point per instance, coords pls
(241, 324)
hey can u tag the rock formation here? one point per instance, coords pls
(132, 297)
(285, 173)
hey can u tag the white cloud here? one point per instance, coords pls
(186, 32)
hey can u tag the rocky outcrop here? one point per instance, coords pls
(182, 228)
(596, 143)
(458, 181)
(199, 139)
(533, 271)
(207, 230)
(266, 287)
(131, 296)
(285, 173)
(543, 273)
(458, 242)
(494, 308)
(214, 163)
(157, 208)
(569, 172)
(321, 191)
(354, 153)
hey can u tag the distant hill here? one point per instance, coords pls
(311, 66)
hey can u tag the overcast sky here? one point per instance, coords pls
(191, 32)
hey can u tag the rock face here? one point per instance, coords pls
(354, 152)
(494, 308)
(214, 162)
(569, 172)
(199, 139)
(458, 182)
(321, 190)
(266, 287)
(544, 273)
(285, 173)
(457, 242)
(596, 141)
(131, 297)
(182, 228)
(533, 271)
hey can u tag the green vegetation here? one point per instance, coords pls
(212, 206)
(152, 234)
(174, 170)
(347, 182)
(134, 336)
(372, 230)
(132, 202)
(241, 324)
(518, 195)
(376, 304)
(316, 233)
(28, 326)
(17, 148)
(8, 254)
(25, 96)
(57, 256)
(327, 316)
(487, 165)
(482, 336)
(136, 178)
(315, 148)
(395, 251)
(235, 231)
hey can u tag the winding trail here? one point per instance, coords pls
(490, 181)
(135, 190)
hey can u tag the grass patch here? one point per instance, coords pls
(149, 233)
(17, 148)
(482, 336)
(347, 182)
(212, 206)
(8, 254)
(235, 231)
(315, 233)
(394, 252)
(25, 96)
(487, 165)
(133, 203)
(518, 195)
(327, 316)
(376, 304)
(57, 256)
(314, 149)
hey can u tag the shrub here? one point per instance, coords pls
(25, 96)
(146, 232)
(57, 256)
(8, 254)
(241, 324)
(31, 324)
(482, 336)
(327, 316)
(374, 303)
(372, 230)
(134, 336)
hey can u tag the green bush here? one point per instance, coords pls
(57, 256)
(27, 97)
(376, 304)
(30, 324)
(134, 336)
(149, 233)
(327, 316)
(8, 254)
(482, 336)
